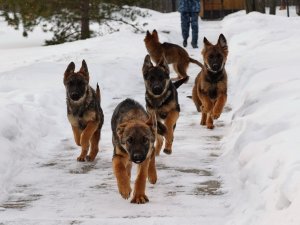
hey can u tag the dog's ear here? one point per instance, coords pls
(148, 33)
(206, 42)
(222, 42)
(84, 69)
(163, 64)
(70, 70)
(120, 131)
(155, 35)
(147, 65)
(98, 94)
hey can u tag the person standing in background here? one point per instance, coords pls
(189, 10)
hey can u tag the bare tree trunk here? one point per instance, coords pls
(282, 5)
(173, 5)
(249, 5)
(272, 7)
(260, 6)
(255, 5)
(85, 20)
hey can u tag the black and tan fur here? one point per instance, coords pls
(162, 98)
(210, 88)
(84, 111)
(134, 134)
(174, 54)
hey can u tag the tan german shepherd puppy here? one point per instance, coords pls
(210, 88)
(174, 54)
(134, 133)
(84, 111)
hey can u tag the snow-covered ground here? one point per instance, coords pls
(246, 171)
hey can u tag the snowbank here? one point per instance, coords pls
(262, 157)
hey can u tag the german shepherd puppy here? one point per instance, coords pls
(174, 54)
(210, 88)
(162, 98)
(84, 111)
(134, 134)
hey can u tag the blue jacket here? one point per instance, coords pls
(189, 6)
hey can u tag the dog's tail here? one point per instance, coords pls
(178, 83)
(98, 95)
(196, 62)
(161, 128)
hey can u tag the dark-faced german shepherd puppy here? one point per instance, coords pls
(84, 110)
(162, 98)
(210, 88)
(174, 54)
(134, 133)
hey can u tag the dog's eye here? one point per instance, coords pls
(219, 56)
(211, 56)
(151, 78)
(145, 140)
(130, 140)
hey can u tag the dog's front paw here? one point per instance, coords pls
(125, 191)
(203, 121)
(81, 158)
(168, 151)
(140, 199)
(216, 115)
(152, 177)
(90, 158)
(210, 126)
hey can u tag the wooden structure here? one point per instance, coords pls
(215, 9)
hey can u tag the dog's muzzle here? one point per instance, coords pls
(215, 67)
(75, 96)
(157, 89)
(138, 157)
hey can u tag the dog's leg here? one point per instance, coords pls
(196, 99)
(170, 124)
(203, 119)
(76, 134)
(158, 144)
(120, 164)
(139, 195)
(85, 139)
(209, 121)
(152, 175)
(175, 67)
(207, 105)
(128, 169)
(94, 146)
(181, 68)
(218, 107)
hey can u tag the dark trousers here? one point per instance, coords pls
(189, 19)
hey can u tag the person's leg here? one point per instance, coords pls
(194, 25)
(185, 27)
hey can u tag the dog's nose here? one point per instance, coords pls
(138, 157)
(215, 66)
(74, 96)
(157, 90)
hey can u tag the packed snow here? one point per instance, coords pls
(246, 171)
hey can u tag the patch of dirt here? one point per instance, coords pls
(211, 187)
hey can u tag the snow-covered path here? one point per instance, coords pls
(244, 172)
(50, 187)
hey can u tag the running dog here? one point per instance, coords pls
(210, 88)
(174, 54)
(134, 133)
(84, 111)
(162, 98)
